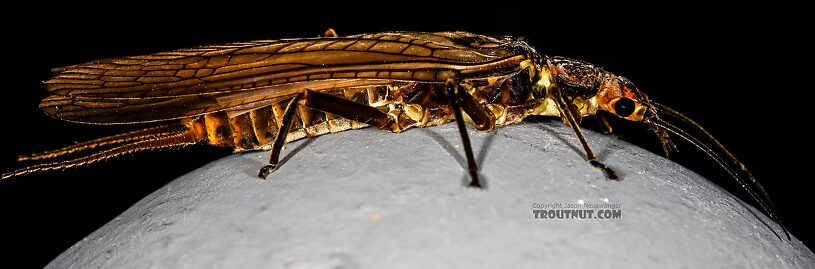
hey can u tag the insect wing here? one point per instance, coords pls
(243, 76)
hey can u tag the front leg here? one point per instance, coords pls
(569, 116)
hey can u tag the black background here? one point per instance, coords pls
(742, 72)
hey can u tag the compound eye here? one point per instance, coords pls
(624, 107)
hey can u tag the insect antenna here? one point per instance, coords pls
(143, 134)
(761, 196)
(170, 136)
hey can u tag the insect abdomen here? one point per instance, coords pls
(257, 129)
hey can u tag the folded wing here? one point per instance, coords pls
(241, 76)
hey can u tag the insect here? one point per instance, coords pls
(259, 95)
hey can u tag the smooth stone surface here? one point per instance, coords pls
(372, 199)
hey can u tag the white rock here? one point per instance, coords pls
(372, 199)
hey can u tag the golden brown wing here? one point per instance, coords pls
(239, 76)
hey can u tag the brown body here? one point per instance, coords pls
(235, 95)
(262, 94)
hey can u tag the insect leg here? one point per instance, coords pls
(370, 115)
(326, 103)
(458, 102)
(482, 120)
(280, 138)
(567, 113)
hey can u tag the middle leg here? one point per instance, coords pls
(460, 100)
